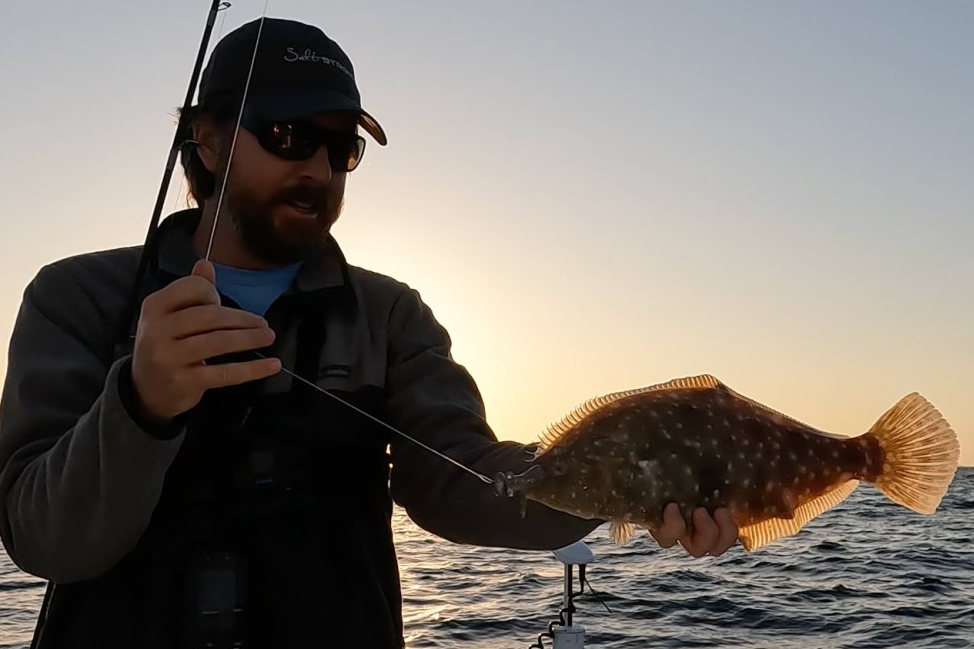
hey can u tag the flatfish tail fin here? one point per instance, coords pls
(920, 454)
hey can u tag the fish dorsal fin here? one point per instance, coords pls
(572, 419)
(772, 411)
(621, 532)
(758, 534)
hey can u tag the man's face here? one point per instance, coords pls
(282, 209)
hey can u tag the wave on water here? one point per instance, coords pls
(868, 574)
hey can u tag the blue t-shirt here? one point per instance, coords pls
(254, 290)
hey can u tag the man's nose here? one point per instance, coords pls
(317, 168)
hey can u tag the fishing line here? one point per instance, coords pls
(449, 459)
(209, 250)
(236, 131)
(222, 9)
(223, 19)
(179, 191)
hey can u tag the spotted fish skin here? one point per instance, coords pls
(696, 448)
(697, 443)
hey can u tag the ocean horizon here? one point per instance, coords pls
(868, 574)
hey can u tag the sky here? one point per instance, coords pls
(590, 196)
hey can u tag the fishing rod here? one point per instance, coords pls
(182, 123)
(148, 247)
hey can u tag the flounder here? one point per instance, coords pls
(693, 441)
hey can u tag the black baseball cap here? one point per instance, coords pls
(298, 71)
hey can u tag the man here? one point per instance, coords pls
(179, 489)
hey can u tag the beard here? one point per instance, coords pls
(282, 241)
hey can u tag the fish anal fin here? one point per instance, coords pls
(557, 430)
(757, 534)
(621, 532)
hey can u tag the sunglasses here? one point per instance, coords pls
(301, 139)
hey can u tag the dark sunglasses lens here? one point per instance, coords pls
(286, 141)
(344, 150)
(351, 156)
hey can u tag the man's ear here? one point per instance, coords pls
(207, 135)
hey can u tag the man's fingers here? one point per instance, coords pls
(711, 534)
(216, 343)
(203, 268)
(224, 374)
(180, 294)
(204, 319)
(728, 531)
(673, 527)
(705, 534)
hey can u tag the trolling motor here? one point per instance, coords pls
(564, 634)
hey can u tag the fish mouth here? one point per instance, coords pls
(511, 484)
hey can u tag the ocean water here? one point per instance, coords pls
(868, 574)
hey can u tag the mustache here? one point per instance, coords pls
(315, 195)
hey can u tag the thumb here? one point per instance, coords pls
(204, 269)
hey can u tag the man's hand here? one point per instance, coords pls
(711, 535)
(182, 325)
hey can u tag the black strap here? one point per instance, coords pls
(310, 341)
(42, 616)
